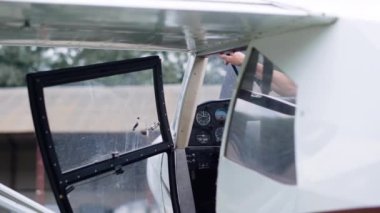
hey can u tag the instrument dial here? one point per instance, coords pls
(220, 114)
(203, 118)
(203, 138)
(219, 134)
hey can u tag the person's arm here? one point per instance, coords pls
(236, 58)
(281, 84)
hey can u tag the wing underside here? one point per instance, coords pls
(192, 26)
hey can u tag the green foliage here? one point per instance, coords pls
(10, 76)
(215, 70)
(16, 62)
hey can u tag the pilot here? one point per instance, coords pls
(281, 84)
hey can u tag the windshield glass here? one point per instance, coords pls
(261, 132)
(219, 80)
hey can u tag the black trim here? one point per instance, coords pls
(235, 70)
(267, 76)
(240, 48)
(227, 100)
(166, 135)
(250, 71)
(267, 102)
(60, 181)
(75, 74)
(42, 130)
(113, 164)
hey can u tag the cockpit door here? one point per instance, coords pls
(97, 128)
(257, 169)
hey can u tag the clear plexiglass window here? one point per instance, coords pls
(97, 125)
(126, 192)
(261, 132)
(102, 116)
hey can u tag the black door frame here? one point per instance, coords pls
(62, 182)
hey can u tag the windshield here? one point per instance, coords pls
(219, 81)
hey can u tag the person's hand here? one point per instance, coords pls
(235, 58)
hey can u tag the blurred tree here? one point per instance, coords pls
(16, 62)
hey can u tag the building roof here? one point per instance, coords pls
(76, 109)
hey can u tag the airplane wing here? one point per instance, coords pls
(199, 26)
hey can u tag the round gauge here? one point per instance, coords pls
(203, 138)
(220, 114)
(203, 118)
(219, 134)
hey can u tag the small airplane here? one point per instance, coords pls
(257, 148)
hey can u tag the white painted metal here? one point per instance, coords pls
(12, 206)
(187, 107)
(363, 9)
(14, 201)
(335, 67)
(337, 134)
(158, 181)
(185, 191)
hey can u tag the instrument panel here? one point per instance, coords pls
(203, 152)
(209, 123)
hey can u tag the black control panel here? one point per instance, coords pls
(203, 152)
(208, 123)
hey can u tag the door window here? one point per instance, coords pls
(96, 152)
(106, 116)
(261, 131)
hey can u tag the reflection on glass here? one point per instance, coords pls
(220, 114)
(262, 140)
(92, 119)
(219, 134)
(219, 80)
(126, 192)
(261, 132)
